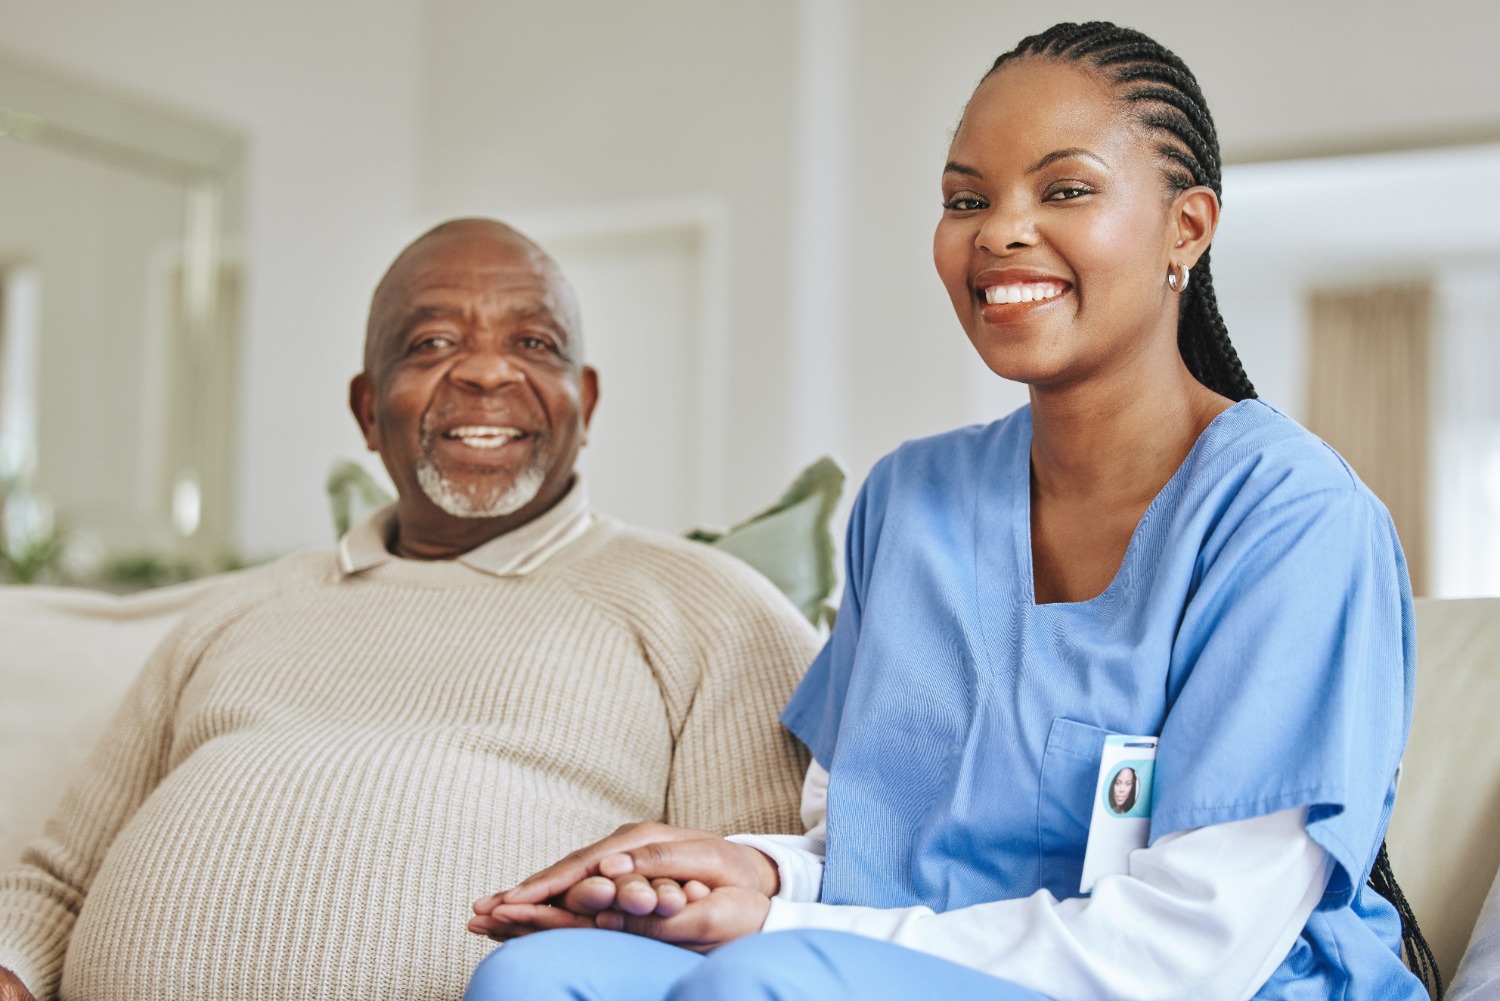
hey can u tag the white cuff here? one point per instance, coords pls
(799, 861)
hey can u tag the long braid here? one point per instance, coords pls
(1222, 361)
(1166, 98)
(1419, 955)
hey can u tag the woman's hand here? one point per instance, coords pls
(693, 889)
(584, 905)
(555, 897)
(712, 862)
(726, 892)
(696, 893)
(720, 916)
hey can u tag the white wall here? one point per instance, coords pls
(816, 128)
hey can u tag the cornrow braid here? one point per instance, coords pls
(1166, 99)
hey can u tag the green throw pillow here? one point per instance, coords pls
(791, 542)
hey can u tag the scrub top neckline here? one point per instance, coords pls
(1022, 520)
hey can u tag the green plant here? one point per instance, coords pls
(31, 541)
(138, 571)
(352, 494)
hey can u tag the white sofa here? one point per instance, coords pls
(67, 656)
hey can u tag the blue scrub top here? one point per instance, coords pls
(1260, 624)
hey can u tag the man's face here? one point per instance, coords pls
(473, 393)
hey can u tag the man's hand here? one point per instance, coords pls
(584, 908)
(11, 988)
(703, 925)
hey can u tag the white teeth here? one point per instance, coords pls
(483, 436)
(1034, 292)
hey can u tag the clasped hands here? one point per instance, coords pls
(690, 888)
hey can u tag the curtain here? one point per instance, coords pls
(1368, 396)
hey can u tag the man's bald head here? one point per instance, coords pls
(460, 238)
(474, 390)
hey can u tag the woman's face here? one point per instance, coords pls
(1056, 233)
(1124, 785)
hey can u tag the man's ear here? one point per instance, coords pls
(362, 404)
(1195, 218)
(588, 396)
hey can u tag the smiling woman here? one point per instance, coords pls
(1145, 552)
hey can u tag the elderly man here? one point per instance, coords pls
(335, 753)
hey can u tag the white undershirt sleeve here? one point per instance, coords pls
(799, 858)
(1208, 913)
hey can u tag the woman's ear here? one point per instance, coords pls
(1194, 218)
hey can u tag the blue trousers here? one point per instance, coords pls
(594, 965)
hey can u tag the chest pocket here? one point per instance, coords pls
(1070, 772)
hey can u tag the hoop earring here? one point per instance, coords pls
(1178, 285)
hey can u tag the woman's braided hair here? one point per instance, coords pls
(1167, 99)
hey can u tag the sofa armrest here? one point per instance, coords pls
(68, 657)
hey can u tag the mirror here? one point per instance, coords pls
(118, 301)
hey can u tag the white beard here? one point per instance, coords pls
(490, 502)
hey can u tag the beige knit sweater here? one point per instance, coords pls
(316, 773)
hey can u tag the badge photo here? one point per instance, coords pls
(1121, 818)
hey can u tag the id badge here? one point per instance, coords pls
(1121, 821)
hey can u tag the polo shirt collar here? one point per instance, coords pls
(513, 554)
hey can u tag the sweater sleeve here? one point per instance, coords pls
(734, 767)
(40, 897)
